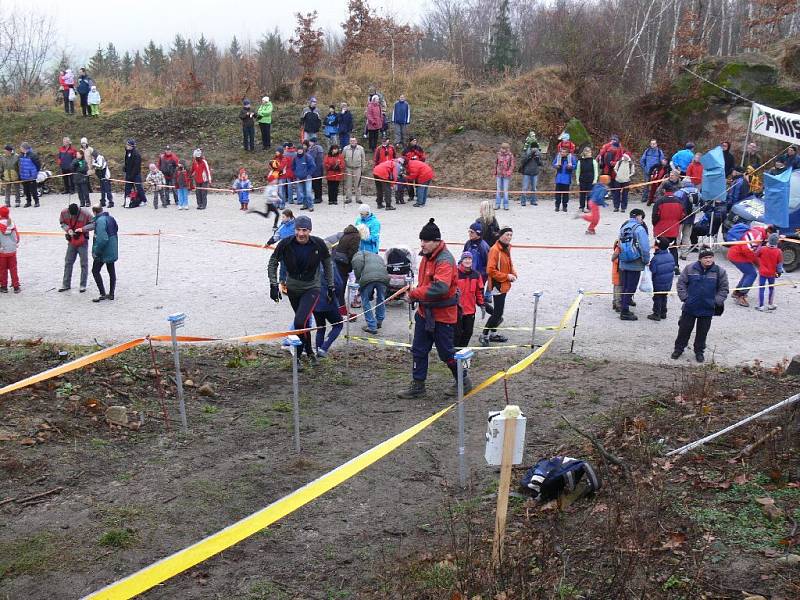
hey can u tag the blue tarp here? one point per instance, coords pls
(776, 198)
(713, 186)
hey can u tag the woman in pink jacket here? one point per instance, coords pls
(503, 170)
(374, 116)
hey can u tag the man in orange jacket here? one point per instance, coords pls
(437, 314)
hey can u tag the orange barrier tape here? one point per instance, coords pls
(73, 365)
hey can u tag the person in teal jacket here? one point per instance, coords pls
(105, 251)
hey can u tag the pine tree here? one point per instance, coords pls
(179, 47)
(235, 50)
(97, 63)
(503, 49)
(112, 62)
(138, 63)
(126, 67)
(154, 58)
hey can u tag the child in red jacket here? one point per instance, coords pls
(770, 266)
(470, 285)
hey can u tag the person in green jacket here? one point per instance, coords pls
(104, 251)
(264, 113)
(371, 275)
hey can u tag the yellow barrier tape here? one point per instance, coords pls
(180, 561)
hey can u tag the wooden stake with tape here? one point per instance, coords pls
(509, 435)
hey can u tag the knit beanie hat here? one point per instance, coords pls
(465, 255)
(477, 227)
(302, 222)
(504, 231)
(9, 147)
(772, 240)
(364, 209)
(706, 251)
(430, 232)
(131, 142)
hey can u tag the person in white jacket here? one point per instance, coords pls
(623, 173)
(100, 166)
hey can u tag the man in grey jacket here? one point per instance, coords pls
(702, 287)
(355, 159)
(371, 275)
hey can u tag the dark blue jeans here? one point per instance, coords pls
(249, 137)
(620, 195)
(629, 281)
(442, 337)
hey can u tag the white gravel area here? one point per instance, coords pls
(223, 288)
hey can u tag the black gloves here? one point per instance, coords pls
(274, 292)
(331, 293)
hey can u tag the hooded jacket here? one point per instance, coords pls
(374, 116)
(667, 215)
(369, 268)
(470, 286)
(499, 266)
(480, 255)
(624, 169)
(662, 266)
(437, 282)
(9, 237)
(372, 243)
(105, 242)
(201, 172)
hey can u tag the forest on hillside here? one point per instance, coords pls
(631, 43)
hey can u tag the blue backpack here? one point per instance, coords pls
(629, 249)
(549, 477)
(737, 232)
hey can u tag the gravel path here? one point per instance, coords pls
(223, 288)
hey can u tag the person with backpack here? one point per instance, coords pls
(105, 251)
(501, 276)
(702, 287)
(624, 171)
(651, 157)
(436, 295)
(133, 174)
(530, 161)
(29, 167)
(503, 170)
(668, 214)
(770, 266)
(264, 113)
(470, 288)
(64, 157)
(103, 173)
(609, 154)
(662, 267)
(75, 222)
(564, 164)
(586, 173)
(83, 89)
(689, 196)
(743, 257)
(168, 165)
(634, 256)
(310, 121)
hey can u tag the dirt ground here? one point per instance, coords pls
(223, 288)
(132, 497)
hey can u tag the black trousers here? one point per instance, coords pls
(686, 323)
(562, 197)
(316, 186)
(499, 306)
(660, 305)
(249, 137)
(265, 132)
(384, 192)
(97, 266)
(333, 192)
(69, 186)
(585, 188)
(464, 328)
(31, 192)
(303, 305)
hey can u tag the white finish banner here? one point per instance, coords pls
(775, 124)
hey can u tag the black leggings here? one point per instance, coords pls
(303, 305)
(499, 302)
(333, 192)
(97, 266)
(464, 328)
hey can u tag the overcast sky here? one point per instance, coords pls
(131, 24)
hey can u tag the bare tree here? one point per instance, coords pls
(34, 34)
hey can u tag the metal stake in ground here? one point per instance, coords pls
(575, 324)
(536, 297)
(158, 256)
(462, 357)
(295, 343)
(409, 282)
(347, 299)
(176, 321)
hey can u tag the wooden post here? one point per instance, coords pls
(509, 435)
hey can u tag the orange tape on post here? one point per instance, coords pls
(73, 365)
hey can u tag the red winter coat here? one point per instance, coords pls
(334, 167)
(418, 171)
(769, 259)
(695, 172)
(470, 284)
(201, 172)
(374, 116)
(667, 215)
(286, 166)
(607, 162)
(414, 153)
(383, 153)
(438, 281)
(746, 253)
(387, 171)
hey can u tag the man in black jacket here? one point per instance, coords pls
(302, 254)
(133, 174)
(248, 117)
(311, 121)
